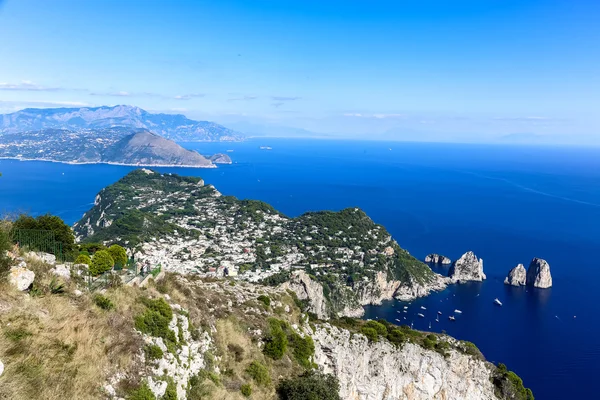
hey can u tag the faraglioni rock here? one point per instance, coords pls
(437, 259)
(517, 276)
(538, 274)
(467, 268)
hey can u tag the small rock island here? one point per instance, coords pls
(537, 275)
(437, 259)
(467, 268)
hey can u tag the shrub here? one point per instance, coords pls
(304, 348)
(237, 350)
(370, 333)
(83, 259)
(142, 393)
(155, 320)
(264, 299)
(63, 233)
(379, 327)
(197, 389)
(101, 262)
(246, 390)
(103, 302)
(309, 386)
(118, 254)
(276, 341)
(259, 372)
(5, 245)
(153, 352)
(396, 336)
(171, 391)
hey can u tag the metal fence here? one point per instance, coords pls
(38, 241)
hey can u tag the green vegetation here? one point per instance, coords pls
(370, 333)
(509, 385)
(118, 254)
(259, 373)
(5, 245)
(171, 391)
(103, 302)
(62, 232)
(246, 390)
(154, 321)
(276, 341)
(83, 259)
(141, 393)
(101, 263)
(153, 352)
(264, 299)
(309, 386)
(302, 348)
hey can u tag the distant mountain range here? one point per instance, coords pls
(117, 145)
(175, 127)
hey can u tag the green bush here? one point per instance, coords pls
(309, 386)
(276, 341)
(237, 350)
(118, 254)
(83, 259)
(141, 393)
(5, 245)
(260, 373)
(153, 352)
(63, 234)
(155, 320)
(246, 390)
(264, 299)
(101, 262)
(103, 302)
(370, 333)
(171, 391)
(379, 327)
(396, 336)
(303, 349)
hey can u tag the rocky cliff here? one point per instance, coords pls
(517, 276)
(467, 268)
(380, 370)
(538, 274)
(437, 259)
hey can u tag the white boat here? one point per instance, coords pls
(423, 308)
(451, 318)
(406, 307)
(397, 320)
(498, 302)
(405, 311)
(421, 315)
(439, 312)
(458, 311)
(429, 324)
(437, 319)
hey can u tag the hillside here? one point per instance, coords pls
(181, 337)
(336, 261)
(175, 127)
(111, 145)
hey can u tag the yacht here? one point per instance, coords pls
(458, 311)
(421, 315)
(439, 312)
(498, 302)
(451, 318)
(423, 308)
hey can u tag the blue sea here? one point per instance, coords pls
(506, 203)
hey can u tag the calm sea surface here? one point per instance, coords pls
(507, 204)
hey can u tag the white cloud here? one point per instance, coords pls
(189, 96)
(26, 85)
(375, 116)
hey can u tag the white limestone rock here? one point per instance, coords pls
(379, 370)
(21, 278)
(1, 368)
(467, 268)
(437, 259)
(517, 276)
(306, 288)
(62, 270)
(538, 274)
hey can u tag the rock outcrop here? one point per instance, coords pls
(21, 277)
(437, 259)
(1, 368)
(379, 370)
(538, 274)
(517, 276)
(307, 289)
(62, 271)
(467, 268)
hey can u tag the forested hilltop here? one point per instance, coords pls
(336, 261)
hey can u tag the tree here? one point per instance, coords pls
(276, 342)
(118, 254)
(310, 386)
(101, 262)
(83, 259)
(5, 245)
(63, 233)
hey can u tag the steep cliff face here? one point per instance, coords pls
(379, 370)
(538, 274)
(517, 276)
(467, 268)
(310, 291)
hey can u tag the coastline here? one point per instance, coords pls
(109, 163)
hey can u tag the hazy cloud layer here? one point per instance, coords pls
(27, 86)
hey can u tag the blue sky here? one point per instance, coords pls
(440, 70)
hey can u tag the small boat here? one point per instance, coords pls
(498, 302)
(398, 311)
(429, 324)
(451, 318)
(439, 312)
(406, 307)
(397, 320)
(421, 315)
(458, 311)
(437, 319)
(423, 308)
(405, 311)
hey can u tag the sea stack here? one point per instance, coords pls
(467, 268)
(517, 276)
(538, 274)
(437, 259)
